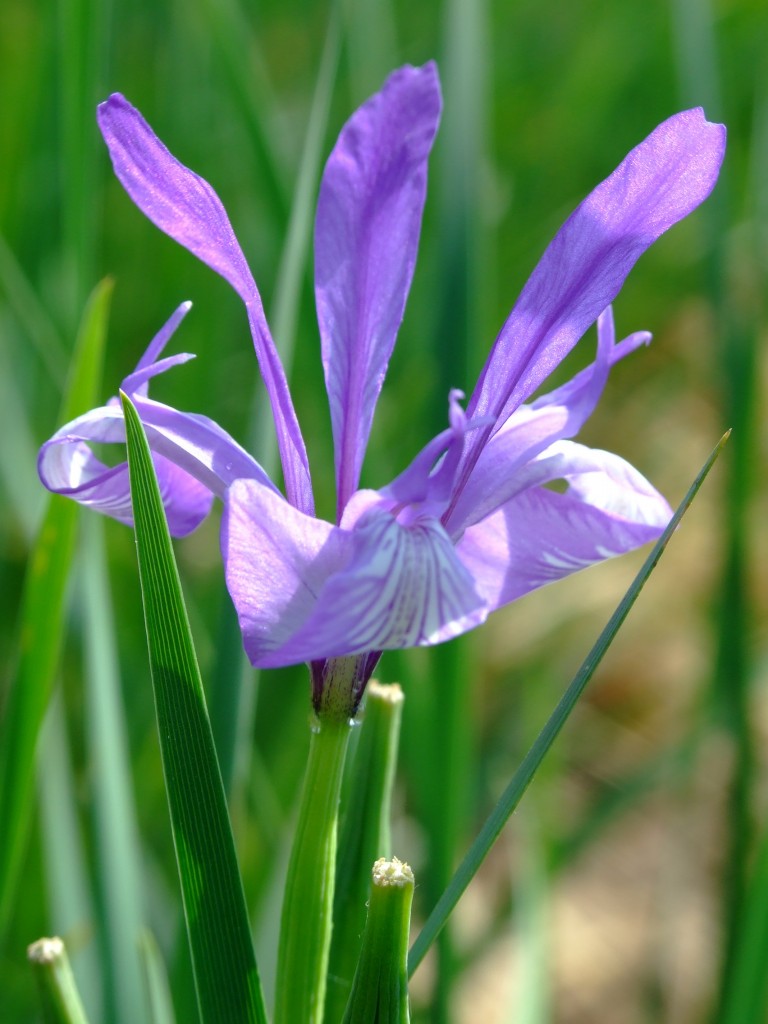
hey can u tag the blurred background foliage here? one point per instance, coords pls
(632, 885)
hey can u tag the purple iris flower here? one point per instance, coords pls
(471, 523)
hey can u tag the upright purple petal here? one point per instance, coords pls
(366, 239)
(660, 182)
(185, 207)
(504, 466)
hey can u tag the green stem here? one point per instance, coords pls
(380, 989)
(364, 834)
(305, 931)
(58, 991)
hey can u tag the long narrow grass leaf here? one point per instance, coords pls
(25, 497)
(158, 989)
(69, 896)
(31, 314)
(41, 620)
(116, 833)
(512, 795)
(226, 978)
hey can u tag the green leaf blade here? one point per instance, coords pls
(512, 795)
(224, 964)
(41, 619)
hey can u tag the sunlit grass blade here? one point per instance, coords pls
(31, 314)
(41, 620)
(226, 978)
(512, 795)
(116, 847)
(746, 995)
(69, 899)
(158, 990)
(364, 834)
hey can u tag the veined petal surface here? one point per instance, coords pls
(277, 561)
(306, 590)
(540, 535)
(195, 459)
(366, 239)
(661, 181)
(184, 206)
(67, 466)
(403, 586)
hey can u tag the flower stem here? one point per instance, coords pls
(364, 834)
(307, 918)
(380, 989)
(58, 991)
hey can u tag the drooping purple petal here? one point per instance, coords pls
(541, 535)
(403, 586)
(277, 561)
(195, 458)
(185, 207)
(366, 239)
(305, 590)
(657, 184)
(67, 466)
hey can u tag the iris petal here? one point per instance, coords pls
(540, 535)
(185, 207)
(500, 471)
(661, 181)
(403, 586)
(366, 239)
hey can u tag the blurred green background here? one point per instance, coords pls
(633, 884)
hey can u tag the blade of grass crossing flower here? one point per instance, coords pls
(69, 896)
(116, 835)
(41, 620)
(158, 990)
(522, 777)
(364, 834)
(226, 978)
